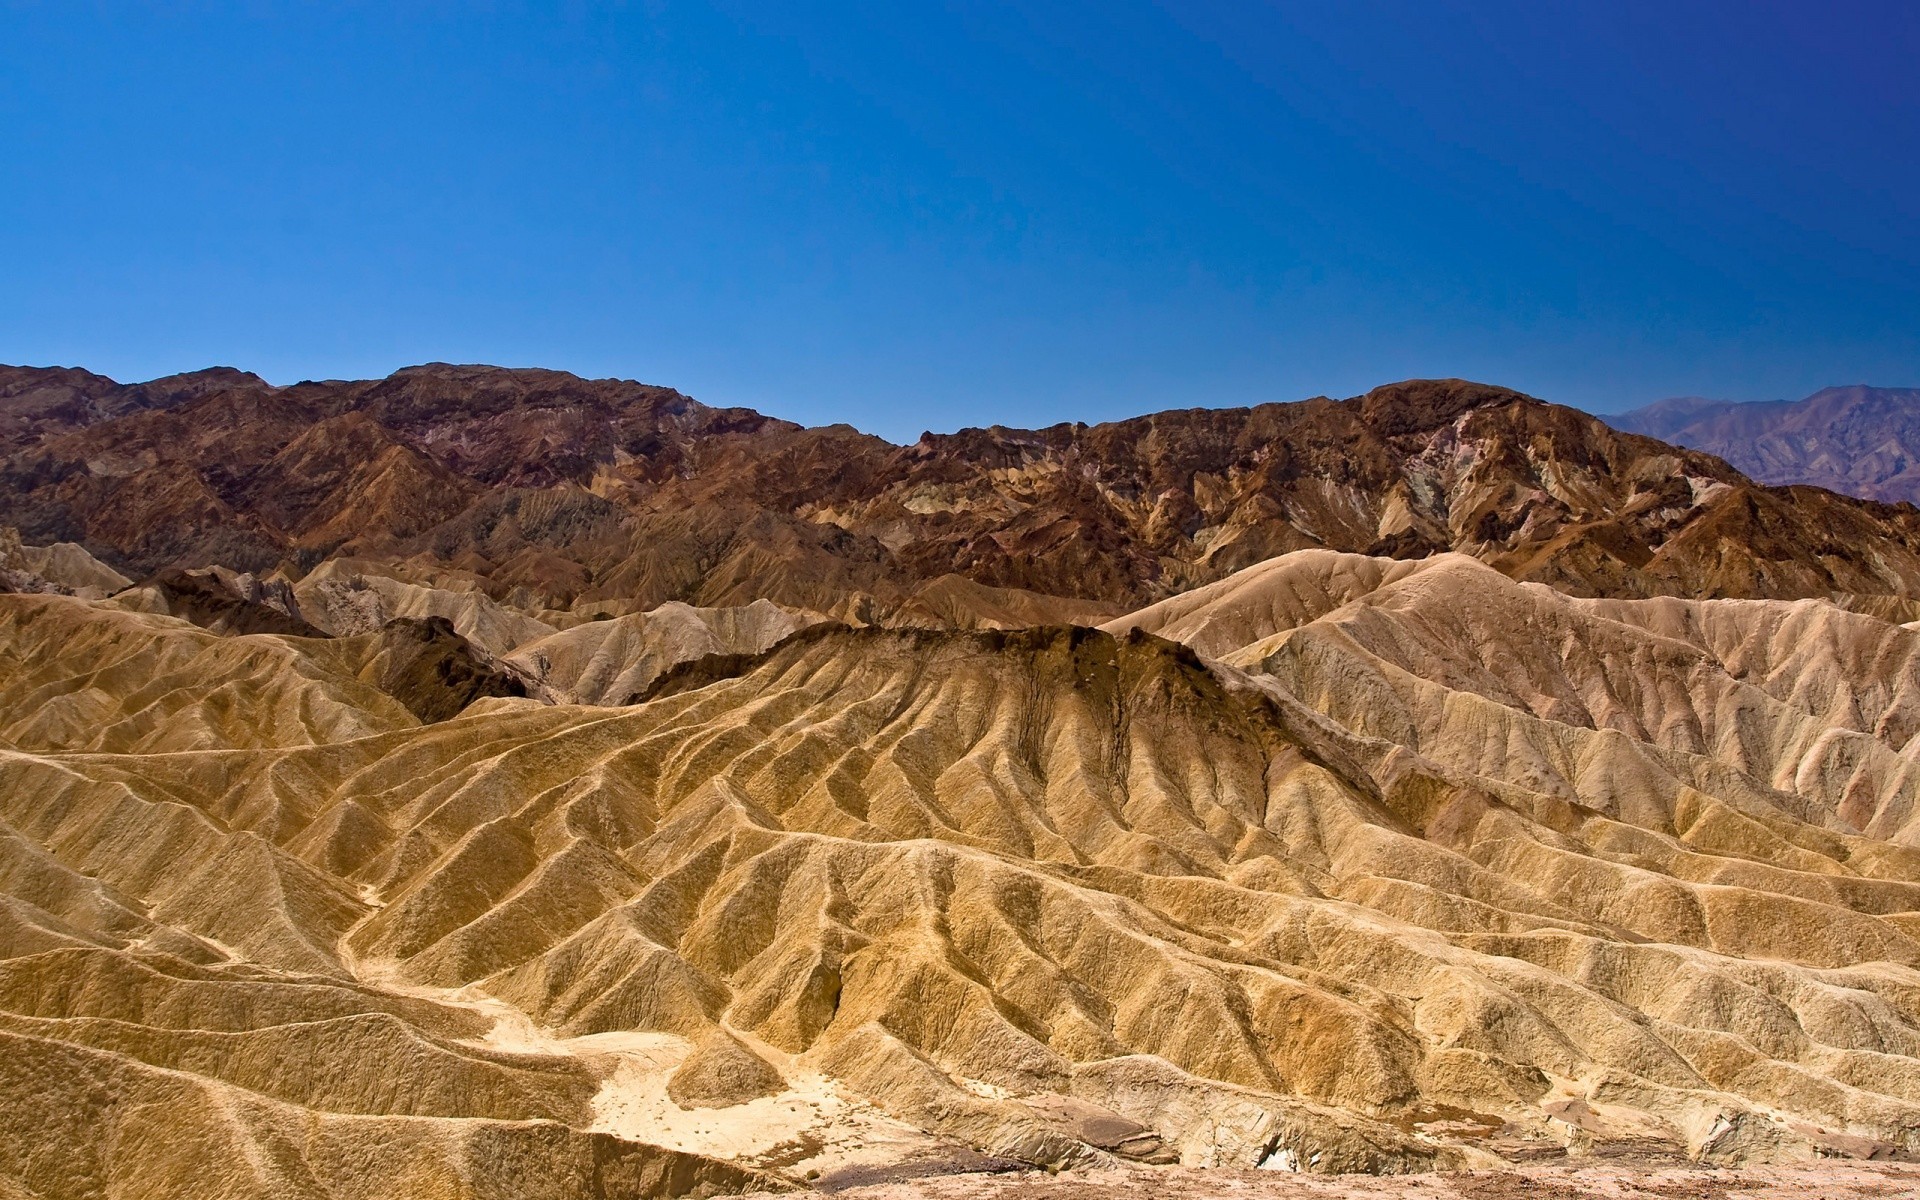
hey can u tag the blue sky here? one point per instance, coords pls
(915, 216)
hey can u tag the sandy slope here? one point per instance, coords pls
(615, 661)
(1399, 866)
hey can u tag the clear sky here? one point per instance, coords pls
(909, 216)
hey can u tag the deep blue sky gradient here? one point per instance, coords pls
(908, 216)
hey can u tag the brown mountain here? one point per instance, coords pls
(588, 491)
(37, 400)
(1864, 441)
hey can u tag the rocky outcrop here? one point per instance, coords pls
(432, 670)
(615, 661)
(63, 568)
(224, 601)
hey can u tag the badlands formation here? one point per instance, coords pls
(559, 850)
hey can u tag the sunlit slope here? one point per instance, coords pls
(1440, 864)
(88, 676)
(615, 661)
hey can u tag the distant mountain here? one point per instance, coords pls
(40, 400)
(1861, 440)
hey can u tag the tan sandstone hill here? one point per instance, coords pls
(1410, 865)
(615, 661)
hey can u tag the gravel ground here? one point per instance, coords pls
(1559, 1181)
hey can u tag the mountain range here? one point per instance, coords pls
(493, 783)
(598, 491)
(1859, 440)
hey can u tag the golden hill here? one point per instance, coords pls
(1338, 863)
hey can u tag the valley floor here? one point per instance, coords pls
(1617, 1180)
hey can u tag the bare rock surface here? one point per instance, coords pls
(615, 661)
(722, 1073)
(579, 491)
(568, 789)
(434, 671)
(1432, 870)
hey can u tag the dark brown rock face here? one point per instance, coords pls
(230, 604)
(579, 489)
(434, 671)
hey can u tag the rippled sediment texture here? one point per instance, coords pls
(1341, 862)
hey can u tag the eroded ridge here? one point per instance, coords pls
(1339, 864)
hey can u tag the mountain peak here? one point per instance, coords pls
(1415, 405)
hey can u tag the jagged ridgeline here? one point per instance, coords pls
(483, 783)
(564, 493)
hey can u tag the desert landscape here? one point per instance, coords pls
(494, 783)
